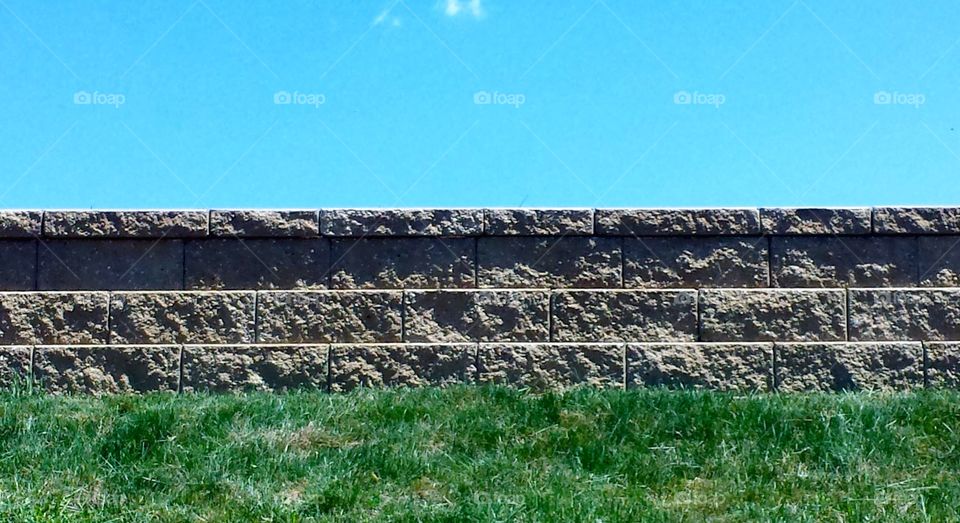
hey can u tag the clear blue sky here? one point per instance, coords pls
(119, 104)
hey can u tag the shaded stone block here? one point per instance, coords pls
(848, 366)
(790, 221)
(287, 263)
(67, 265)
(28, 318)
(20, 224)
(624, 315)
(460, 315)
(107, 369)
(14, 367)
(409, 365)
(904, 314)
(396, 263)
(714, 366)
(18, 264)
(843, 262)
(916, 220)
(182, 317)
(238, 368)
(939, 261)
(264, 224)
(538, 222)
(772, 315)
(525, 262)
(552, 365)
(695, 262)
(401, 222)
(125, 224)
(330, 316)
(943, 365)
(657, 222)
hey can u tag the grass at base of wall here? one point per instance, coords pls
(481, 454)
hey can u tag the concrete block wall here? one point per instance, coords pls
(730, 299)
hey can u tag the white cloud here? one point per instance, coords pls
(471, 7)
(386, 17)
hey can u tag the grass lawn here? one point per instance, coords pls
(481, 454)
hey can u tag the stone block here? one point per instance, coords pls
(916, 220)
(659, 222)
(14, 367)
(713, 366)
(811, 261)
(330, 316)
(107, 369)
(538, 222)
(240, 368)
(552, 365)
(264, 224)
(736, 315)
(939, 261)
(942, 364)
(67, 265)
(790, 221)
(694, 262)
(125, 224)
(408, 365)
(624, 315)
(401, 222)
(267, 263)
(904, 314)
(18, 264)
(460, 315)
(182, 317)
(397, 263)
(548, 262)
(20, 224)
(848, 366)
(55, 318)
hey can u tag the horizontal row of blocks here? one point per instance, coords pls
(475, 222)
(442, 316)
(745, 366)
(488, 262)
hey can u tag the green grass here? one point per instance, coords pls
(481, 454)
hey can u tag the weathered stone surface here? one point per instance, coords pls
(53, 318)
(410, 365)
(512, 262)
(284, 263)
(237, 368)
(330, 317)
(396, 263)
(916, 220)
(14, 366)
(264, 224)
(552, 365)
(943, 365)
(622, 315)
(401, 222)
(904, 314)
(18, 264)
(456, 315)
(843, 262)
(125, 224)
(815, 220)
(715, 366)
(656, 222)
(848, 366)
(182, 317)
(939, 261)
(107, 369)
(20, 224)
(532, 222)
(772, 315)
(67, 265)
(695, 262)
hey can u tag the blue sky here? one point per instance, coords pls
(593, 103)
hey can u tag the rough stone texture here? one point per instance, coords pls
(107, 369)
(237, 368)
(396, 263)
(125, 224)
(67, 265)
(548, 365)
(18, 265)
(772, 315)
(53, 318)
(939, 261)
(657, 222)
(265, 224)
(916, 220)
(454, 316)
(848, 366)
(695, 262)
(330, 317)
(14, 366)
(843, 262)
(401, 222)
(715, 366)
(182, 317)
(285, 263)
(20, 224)
(531, 222)
(621, 315)
(943, 365)
(815, 220)
(411, 365)
(904, 314)
(525, 262)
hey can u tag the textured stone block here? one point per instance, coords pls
(714, 366)
(182, 317)
(125, 224)
(538, 222)
(695, 262)
(815, 221)
(18, 264)
(657, 222)
(20, 224)
(511, 262)
(107, 369)
(904, 314)
(330, 317)
(411, 365)
(53, 318)
(619, 315)
(67, 265)
(943, 365)
(843, 262)
(552, 365)
(396, 263)
(772, 315)
(264, 224)
(453, 316)
(939, 261)
(14, 366)
(286, 263)
(916, 220)
(401, 222)
(237, 368)
(848, 366)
